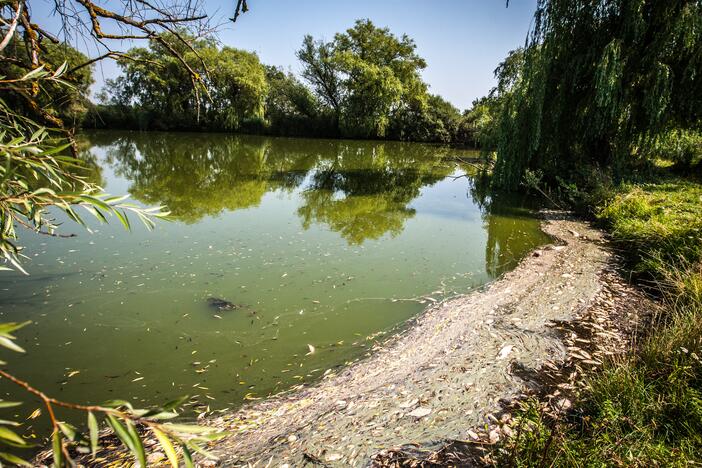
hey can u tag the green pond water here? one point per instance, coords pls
(333, 244)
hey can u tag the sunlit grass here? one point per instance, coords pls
(660, 225)
(644, 408)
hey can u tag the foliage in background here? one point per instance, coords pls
(480, 125)
(365, 83)
(380, 76)
(155, 86)
(369, 81)
(599, 81)
(681, 148)
(292, 109)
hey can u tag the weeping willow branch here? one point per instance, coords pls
(188, 436)
(597, 80)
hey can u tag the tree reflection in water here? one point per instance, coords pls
(503, 216)
(361, 189)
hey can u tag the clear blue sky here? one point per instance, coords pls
(462, 40)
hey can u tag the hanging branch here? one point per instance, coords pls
(241, 7)
(132, 20)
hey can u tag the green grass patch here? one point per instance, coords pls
(644, 408)
(659, 227)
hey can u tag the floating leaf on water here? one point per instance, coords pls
(311, 348)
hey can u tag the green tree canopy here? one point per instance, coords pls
(364, 83)
(234, 82)
(293, 109)
(367, 76)
(320, 71)
(599, 80)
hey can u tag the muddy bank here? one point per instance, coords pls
(440, 377)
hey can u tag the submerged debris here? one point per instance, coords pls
(222, 304)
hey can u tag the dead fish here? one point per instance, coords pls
(221, 304)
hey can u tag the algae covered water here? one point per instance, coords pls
(319, 247)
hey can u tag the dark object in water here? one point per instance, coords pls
(221, 304)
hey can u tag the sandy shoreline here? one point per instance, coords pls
(440, 377)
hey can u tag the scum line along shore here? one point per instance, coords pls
(455, 366)
(446, 374)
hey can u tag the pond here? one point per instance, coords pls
(324, 246)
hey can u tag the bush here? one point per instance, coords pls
(681, 147)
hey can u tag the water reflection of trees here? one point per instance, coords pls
(363, 190)
(507, 219)
(360, 189)
(89, 168)
(198, 175)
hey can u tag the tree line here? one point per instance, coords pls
(365, 83)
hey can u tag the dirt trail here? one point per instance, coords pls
(441, 376)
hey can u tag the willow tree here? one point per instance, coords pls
(600, 79)
(231, 91)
